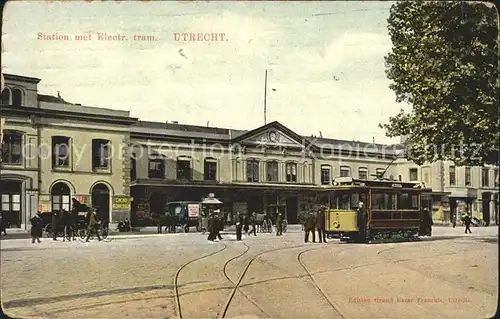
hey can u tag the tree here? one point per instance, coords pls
(444, 63)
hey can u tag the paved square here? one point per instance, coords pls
(184, 275)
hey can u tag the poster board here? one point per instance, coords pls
(193, 210)
(44, 203)
(120, 208)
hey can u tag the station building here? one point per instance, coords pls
(54, 150)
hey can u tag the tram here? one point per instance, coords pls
(393, 209)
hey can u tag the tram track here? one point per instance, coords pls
(178, 307)
(223, 312)
(335, 307)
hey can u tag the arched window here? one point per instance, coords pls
(60, 194)
(133, 168)
(291, 172)
(17, 97)
(272, 171)
(253, 170)
(6, 94)
(12, 148)
(184, 168)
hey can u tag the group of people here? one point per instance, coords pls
(312, 221)
(68, 223)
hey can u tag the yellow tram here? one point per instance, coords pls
(393, 209)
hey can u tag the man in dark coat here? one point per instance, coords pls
(253, 223)
(65, 223)
(362, 219)
(36, 228)
(279, 225)
(239, 225)
(467, 221)
(309, 223)
(55, 222)
(211, 226)
(219, 225)
(320, 225)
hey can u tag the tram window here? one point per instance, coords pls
(344, 201)
(355, 200)
(404, 201)
(414, 202)
(382, 201)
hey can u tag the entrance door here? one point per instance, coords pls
(292, 208)
(100, 200)
(11, 203)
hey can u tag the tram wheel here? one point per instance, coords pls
(186, 228)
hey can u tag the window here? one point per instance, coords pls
(183, 169)
(6, 96)
(272, 171)
(485, 177)
(210, 172)
(413, 174)
(325, 174)
(60, 197)
(133, 168)
(291, 172)
(380, 172)
(60, 151)
(408, 201)
(345, 171)
(12, 148)
(383, 201)
(253, 171)
(496, 177)
(17, 97)
(468, 181)
(363, 173)
(156, 167)
(100, 153)
(452, 175)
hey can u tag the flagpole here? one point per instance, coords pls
(265, 99)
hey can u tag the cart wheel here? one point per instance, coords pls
(81, 233)
(198, 229)
(203, 231)
(186, 228)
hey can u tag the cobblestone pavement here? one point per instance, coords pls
(451, 275)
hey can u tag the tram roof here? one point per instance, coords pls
(346, 182)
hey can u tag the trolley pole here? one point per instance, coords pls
(265, 98)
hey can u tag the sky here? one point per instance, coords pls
(325, 62)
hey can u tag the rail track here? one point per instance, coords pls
(178, 307)
(311, 276)
(224, 310)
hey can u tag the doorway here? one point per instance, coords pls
(11, 203)
(100, 200)
(292, 206)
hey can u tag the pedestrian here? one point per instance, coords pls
(65, 222)
(219, 224)
(361, 220)
(467, 221)
(36, 228)
(237, 220)
(157, 216)
(246, 224)
(253, 223)
(454, 219)
(55, 222)
(309, 223)
(92, 226)
(211, 226)
(320, 225)
(3, 226)
(279, 225)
